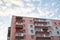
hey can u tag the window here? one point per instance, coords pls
(23, 20)
(44, 24)
(24, 31)
(44, 19)
(45, 30)
(32, 31)
(50, 32)
(30, 20)
(18, 39)
(19, 27)
(48, 23)
(57, 32)
(31, 26)
(40, 35)
(55, 23)
(56, 27)
(32, 36)
(59, 23)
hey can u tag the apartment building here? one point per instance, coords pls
(28, 28)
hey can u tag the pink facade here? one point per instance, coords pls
(27, 28)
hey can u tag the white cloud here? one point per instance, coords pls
(36, 0)
(28, 1)
(8, 10)
(1, 24)
(53, 3)
(3, 32)
(17, 2)
(56, 9)
(4, 24)
(29, 4)
(46, 5)
(25, 11)
(0, 2)
(56, 18)
(3, 13)
(52, 14)
(21, 11)
(16, 11)
(42, 12)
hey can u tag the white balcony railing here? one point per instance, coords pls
(42, 25)
(18, 23)
(42, 20)
(19, 34)
(39, 30)
(43, 35)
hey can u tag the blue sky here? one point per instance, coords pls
(32, 8)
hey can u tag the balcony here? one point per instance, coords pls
(19, 26)
(42, 25)
(19, 39)
(20, 30)
(19, 19)
(19, 23)
(41, 21)
(43, 38)
(42, 35)
(41, 31)
(19, 35)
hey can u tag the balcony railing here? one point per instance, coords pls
(42, 35)
(19, 27)
(42, 25)
(19, 34)
(19, 39)
(42, 30)
(19, 23)
(39, 30)
(41, 20)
